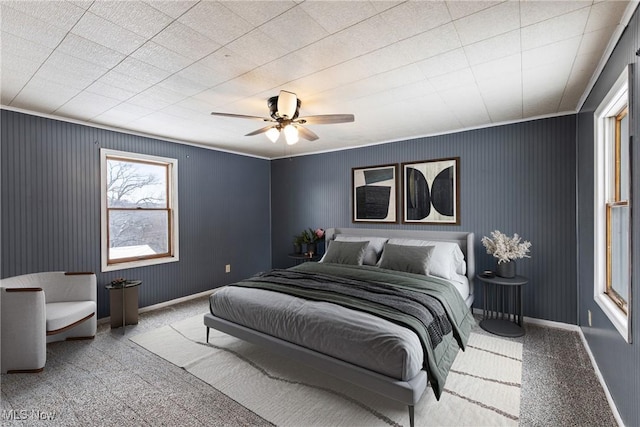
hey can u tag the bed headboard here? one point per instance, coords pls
(463, 239)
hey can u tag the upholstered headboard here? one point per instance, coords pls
(463, 239)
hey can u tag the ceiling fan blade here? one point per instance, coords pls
(287, 104)
(306, 134)
(241, 116)
(326, 119)
(259, 131)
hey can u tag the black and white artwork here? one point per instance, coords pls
(431, 191)
(375, 193)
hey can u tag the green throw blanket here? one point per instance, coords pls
(431, 307)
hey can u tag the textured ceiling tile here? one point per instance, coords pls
(70, 71)
(21, 25)
(186, 41)
(605, 14)
(595, 41)
(411, 18)
(459, 9)
(532, 12)
(202, 75)
(226, 64)
(123, 81)
(159, 56)
(454, 79)
(156, 98)
(60, 14)
(453, 60)
(141, 70)
(496, 69)
(43, 95)
(340, 15)
(467, 105)
(135, 16)
(257, 47)
(216, 22)
(172, 8)
(259, 12)
(555, 53)
(493, 48)
(294, 29)
(182, 85)
(555, 29)
(106, 33)
(14, 45)
(431, 43)
(503, 18)
(89, 51)
(101, 88)
(86, 106)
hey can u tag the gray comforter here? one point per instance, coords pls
(429, 307)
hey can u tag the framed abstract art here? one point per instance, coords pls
(374, 194)
(431, 192)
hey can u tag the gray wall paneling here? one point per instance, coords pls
(517, 178)
(618, 361)
(51, 208)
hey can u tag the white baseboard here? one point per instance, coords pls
(165, 304)
(612, 404)
(541, 322)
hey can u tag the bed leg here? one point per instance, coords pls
(207, 335)
(411, 418)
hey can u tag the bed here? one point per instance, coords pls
(329, 314)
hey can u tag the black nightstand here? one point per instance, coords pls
(300, 258)
(502, 305)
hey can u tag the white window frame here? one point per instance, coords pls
(613, 102)
(172, 200)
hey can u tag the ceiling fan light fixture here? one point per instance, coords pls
(291, 134)
(273, 134)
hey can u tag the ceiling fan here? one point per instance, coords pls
(284, 110)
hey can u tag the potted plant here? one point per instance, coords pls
(506, 250)
(310, 237)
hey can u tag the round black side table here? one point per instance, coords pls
(502, 305)
(300, 258)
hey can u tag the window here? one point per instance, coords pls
(139, 210)
(613, 207)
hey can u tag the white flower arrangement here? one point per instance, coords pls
(506, 248)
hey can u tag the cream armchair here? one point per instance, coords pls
(40, 308)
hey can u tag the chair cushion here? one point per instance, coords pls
(62, 314)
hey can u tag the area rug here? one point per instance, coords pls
(482, 389)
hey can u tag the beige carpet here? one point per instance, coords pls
(483, 387)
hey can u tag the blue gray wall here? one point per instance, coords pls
(517, 178)
(50, 208)
(618, 361)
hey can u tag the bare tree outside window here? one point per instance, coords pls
(138, 212)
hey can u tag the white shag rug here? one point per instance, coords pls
(482, 389)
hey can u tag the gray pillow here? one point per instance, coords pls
(345, 252)
(373, 251)
(410, 259)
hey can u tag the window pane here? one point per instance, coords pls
(620, 250)
(138, 233)
(624, 158)
(133, 184)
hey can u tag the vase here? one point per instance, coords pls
(506, 269)
(311, 247)
(297, 248)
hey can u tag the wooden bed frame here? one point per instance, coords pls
(407, 392)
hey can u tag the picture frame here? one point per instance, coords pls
(431, 192)
(374, 197)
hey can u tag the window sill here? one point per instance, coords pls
(615, 315)
(141, 263)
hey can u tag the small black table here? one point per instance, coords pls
(300, 258)
(502, 305)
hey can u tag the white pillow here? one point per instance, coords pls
(374, 249)
(447, 258)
